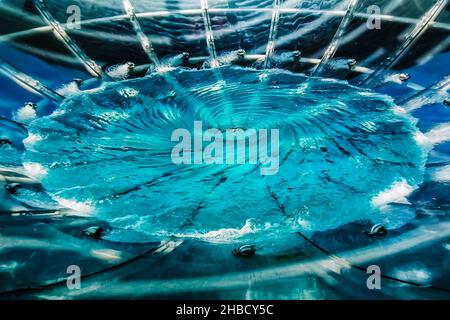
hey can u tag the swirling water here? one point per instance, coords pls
(345, 153)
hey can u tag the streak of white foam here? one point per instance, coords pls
(397, 192)
(439, 134)
(81, 208)
(442, 174)
(225, 234)
(420, 275)
(57, 113)
(422, 139)
(35, 170)
(31, 140)
(165, 69)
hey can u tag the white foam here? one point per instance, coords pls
(81, 208)
(366, 93)
(164, 69)
(420, 275)
(31, 140)
(119, 71)
(439, 134)
(68, 89)
(25, 114)
(397, 192)
(128, 92)
(224, 235)
(306, 225)
(442, 174)
(35, 170)
(422, 139)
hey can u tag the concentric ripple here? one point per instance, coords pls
(345, 153)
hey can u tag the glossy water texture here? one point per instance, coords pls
(345, 153)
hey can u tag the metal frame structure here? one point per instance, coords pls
(209, 36)
(28, 82)
(425, 22)
(91, 66)
(95, 70)
(270, 48)
(410, 39)
(334, 44)
(145, 42)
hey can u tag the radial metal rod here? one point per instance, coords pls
(410, 39)
(334, 44)
(209, 33)
(91, 66)
(428, 94)
(145, 42)
(28, 82)
(273, 32)
(287, 11)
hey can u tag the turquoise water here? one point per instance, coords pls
(345, 153)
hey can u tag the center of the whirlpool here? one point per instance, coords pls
(343, 154)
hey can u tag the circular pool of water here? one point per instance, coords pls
(344, 154)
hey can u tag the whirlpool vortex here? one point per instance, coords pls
(345, 152)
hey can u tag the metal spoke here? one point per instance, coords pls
(334, 44)
(410, 39)
(143, 39)
(421, 98)
(209, 34)
(273, 32)
(91, 66)
(28, 82)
